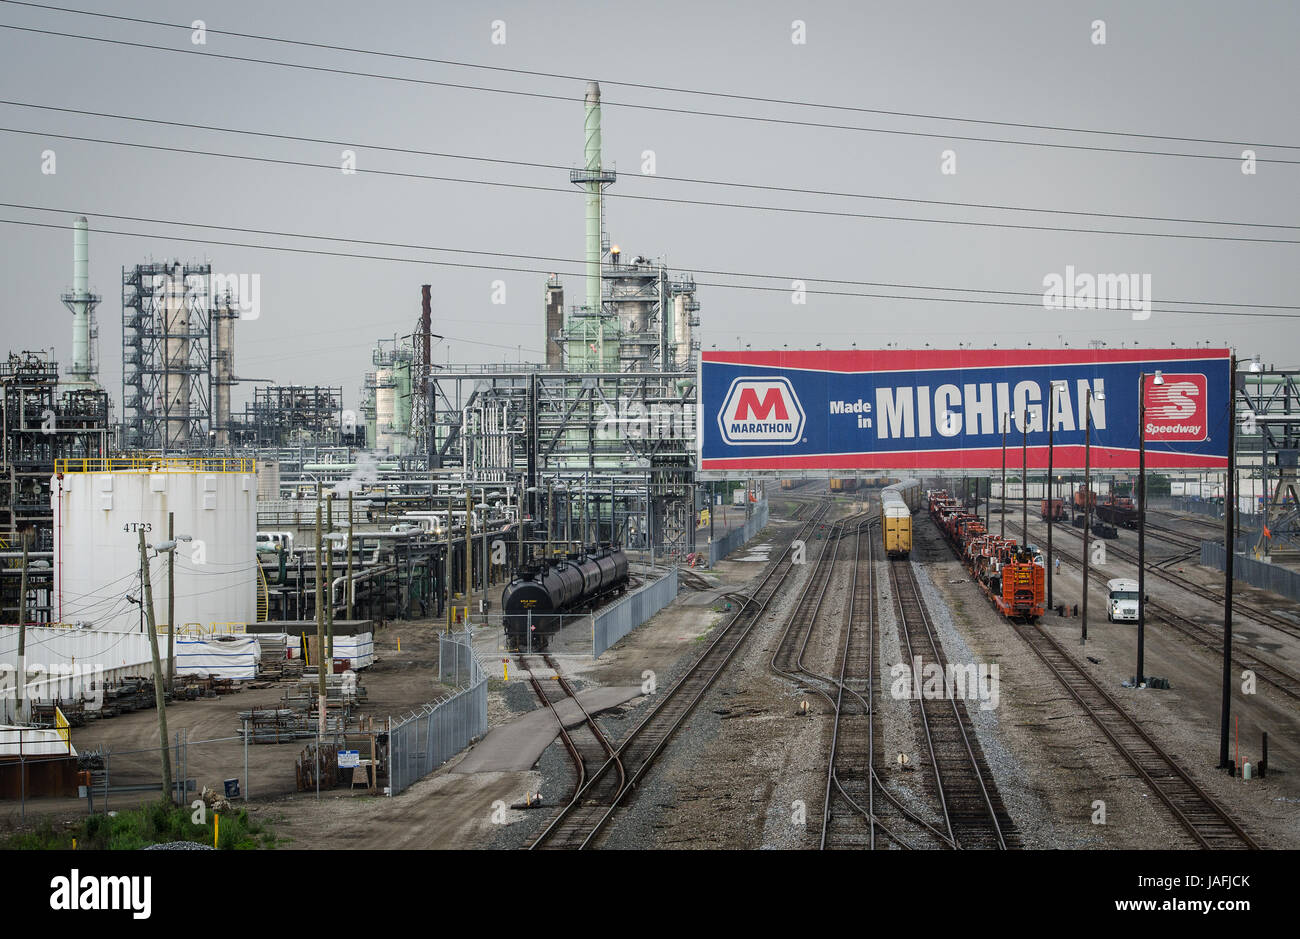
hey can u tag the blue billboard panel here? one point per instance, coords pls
(949, 409)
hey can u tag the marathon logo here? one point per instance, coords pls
(1176, 410)
(761, 411)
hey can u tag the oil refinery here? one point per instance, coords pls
(657, 429)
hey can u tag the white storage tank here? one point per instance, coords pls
(99, 506)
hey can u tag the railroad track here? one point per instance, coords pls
(1208, 823)
(851, 813)
(588, 747)
(1205, 820)
(593, 806)
(1173, 535)
(1260, 615)
(787, 660)
(1211, 638)
(969, 803)
(693, 580)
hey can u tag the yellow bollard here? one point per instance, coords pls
(216, 828)
(505, 669)
(399, 643)
(74, 844)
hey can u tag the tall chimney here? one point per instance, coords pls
(554, 322)
(81, 303)
(593, 195)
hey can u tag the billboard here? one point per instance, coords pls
(946, 409)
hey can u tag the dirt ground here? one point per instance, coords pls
(746, 758)
(1185, 719)
(397, 683)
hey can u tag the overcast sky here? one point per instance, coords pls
(1223, 71)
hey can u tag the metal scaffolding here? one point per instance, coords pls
(625, 438)
(297, 415)
(167, 377)
(1268, 444)
(38, 426)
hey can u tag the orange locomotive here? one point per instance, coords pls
(1005, 570)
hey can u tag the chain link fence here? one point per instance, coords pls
(1194, 506)
(614, 622)
(423, 741)
(536, 633)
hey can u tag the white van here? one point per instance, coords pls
(1122, 600)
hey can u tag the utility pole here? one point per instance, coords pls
(320, 605)
(1087, 503)
(469, 550)
(1229, 555)
(1024, 473)
(519, 517)
(1003, 518)
(447, 579)
(1051, 502)
(21, 677)
(329, 579)
(160, 699)
(485, 568)
(171, 602)
(1054, 386)
(1140, 678)
(349, 587)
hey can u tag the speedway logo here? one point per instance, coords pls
(1176, 410)
(761, 411)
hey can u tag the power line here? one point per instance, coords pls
(759, 99)
(794, 190)
(568, 260)
(712, 203)
(462, 86)
(757, 287)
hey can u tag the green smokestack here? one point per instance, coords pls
(593, 195)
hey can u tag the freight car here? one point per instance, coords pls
(536, 599)
(1011, 575)
(897, 503)
(1118, 511)
(844, 483)
(1052, 510)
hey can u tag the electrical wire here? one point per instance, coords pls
(786, 278)
(531, 164)
(663, 108)
(668, 200)
(756, 287)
